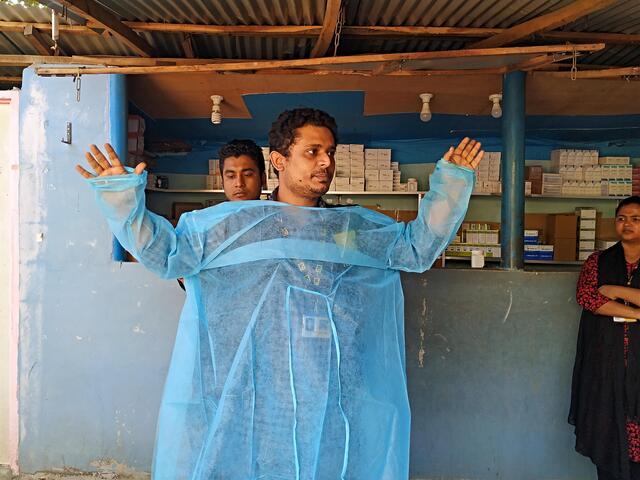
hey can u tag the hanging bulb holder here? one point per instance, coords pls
(216, 114)
(425, 113)
(496, 109)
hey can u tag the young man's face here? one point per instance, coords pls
(241, 179)
(308, 169)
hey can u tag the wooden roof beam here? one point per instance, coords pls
(37, 40)
(311, 31)
(600, 73)
(188, 45)
(331, 16)
(332, 62)
(95, 12)
(562, 16)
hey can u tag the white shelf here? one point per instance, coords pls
(530, 262)
(557, 197)
(189, 190)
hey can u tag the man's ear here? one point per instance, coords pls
(277, 160)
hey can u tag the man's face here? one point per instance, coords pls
(241, 178)
(308, 169)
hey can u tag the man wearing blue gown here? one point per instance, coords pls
(289, 356)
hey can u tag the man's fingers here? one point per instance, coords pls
(476, 161)
(474, 151)
(83, 172)
(113, 156)
(461, 146)
(99, 157)
(93, 163)
(466, 153)
(140, 168)
(447, 156)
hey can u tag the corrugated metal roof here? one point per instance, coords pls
(623, 17)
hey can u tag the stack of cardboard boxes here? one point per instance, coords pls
(617, 176)
(484, 236)
(533, 180)
(635, 181)
(214, 179)
(488, 174)
(533, 249)
(360, 169)
(586, 232)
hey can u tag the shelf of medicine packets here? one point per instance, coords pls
(560, 197)
(330, 192)
(531, 262)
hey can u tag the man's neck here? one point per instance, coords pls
(286, 196)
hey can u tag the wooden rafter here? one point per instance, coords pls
(331, 15)
(324, 62)
(26, 60)
(188, 46)
(38, 41)
(600, 73)
(537, 62)
(10, 79)
(311, 31)
(562, 16)
(95, 12)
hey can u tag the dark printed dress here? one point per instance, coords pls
(591, 299)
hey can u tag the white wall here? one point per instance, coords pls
(8, 143)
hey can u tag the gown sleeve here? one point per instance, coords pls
(167, 251)
(418, 243)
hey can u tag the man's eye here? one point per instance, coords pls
(311, 151)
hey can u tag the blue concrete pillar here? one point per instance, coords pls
(118, 116)
(512, 170)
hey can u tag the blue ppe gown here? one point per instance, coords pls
(289, 358)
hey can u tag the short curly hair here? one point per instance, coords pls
(283, 131)
(235, 148)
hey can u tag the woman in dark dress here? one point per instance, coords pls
(605, 395)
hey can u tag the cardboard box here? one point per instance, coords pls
(178, 208)
(587, 235)
(384, 163)
(371, 154)
(372, 185)
(537, 221)
(372, 174)
(561, 225)
(587, 224)
(357, 184)
(384, 154)
(386, 175)
(371, 164)
(533, 173)
(564, 249)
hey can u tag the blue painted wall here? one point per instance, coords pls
(488, 354)
(95, 335)
(411, 140)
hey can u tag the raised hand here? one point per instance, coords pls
(466, 154)
(104, 167)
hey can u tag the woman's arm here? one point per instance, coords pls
(615, 309)
(630, 294)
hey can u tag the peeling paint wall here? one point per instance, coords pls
(489, 363)
(95, 335)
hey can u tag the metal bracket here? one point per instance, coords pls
(67, 138)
